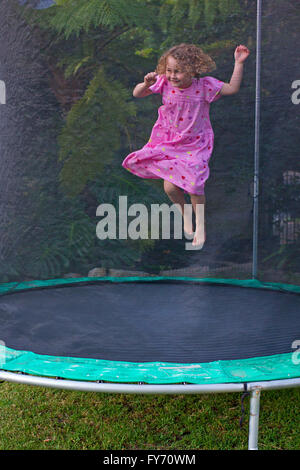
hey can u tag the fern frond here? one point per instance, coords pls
(195, 12)
(210, 11)
(75, 16)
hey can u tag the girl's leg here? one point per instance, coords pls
(177, 196)
(198, 203)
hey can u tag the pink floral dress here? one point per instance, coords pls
(182, 138)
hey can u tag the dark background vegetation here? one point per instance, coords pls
(71, 119)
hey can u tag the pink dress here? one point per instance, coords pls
(182, 138)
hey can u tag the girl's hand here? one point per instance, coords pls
(241, 53)
(150, 79)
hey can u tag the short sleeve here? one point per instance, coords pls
(211, 89)
(158, 85)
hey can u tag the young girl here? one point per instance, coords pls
(182, 138)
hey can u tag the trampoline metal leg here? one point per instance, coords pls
(254, 419)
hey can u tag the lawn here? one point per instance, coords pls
(35, 418)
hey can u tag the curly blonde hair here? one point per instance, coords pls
(190, 57)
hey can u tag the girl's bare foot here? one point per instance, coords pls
(199, 238)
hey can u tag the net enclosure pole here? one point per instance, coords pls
(254, 419)
(256, 142)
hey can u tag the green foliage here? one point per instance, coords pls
(219, 9)
(228, 7)
(146, 52)
(91, 137)
(176, 14)
(105, 45)
(80, 58)
(284, 258)
(76, 16)
(41, 256)
(196, 11)
(210, 10)
(108, 46)
(116, 253)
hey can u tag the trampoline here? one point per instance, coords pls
(173, 336)
(224, 319)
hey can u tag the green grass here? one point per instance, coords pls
(35, 418)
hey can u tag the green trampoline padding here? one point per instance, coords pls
(276, 367)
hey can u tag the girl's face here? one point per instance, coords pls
(176, 75)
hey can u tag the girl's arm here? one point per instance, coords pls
(142, 89)
(241, 53)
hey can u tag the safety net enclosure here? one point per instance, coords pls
(98, 280)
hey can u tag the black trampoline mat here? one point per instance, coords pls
(147, 322)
